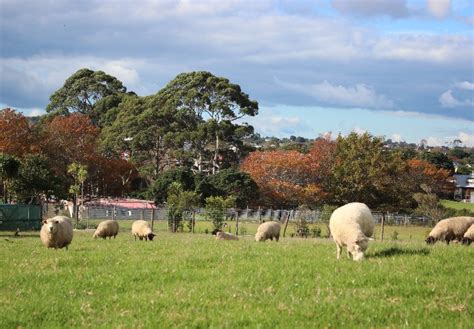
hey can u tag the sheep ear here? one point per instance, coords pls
(370, 239)
(365, 239)
(45, 221)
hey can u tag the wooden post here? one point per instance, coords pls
(142, 214)
(194, 220)
(152, 218)
(113, 212)
(383, 226)
(237, 221)
(259, 214)
(286, 224)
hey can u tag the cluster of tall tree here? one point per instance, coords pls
(129, 144)
(348, 169)
(99, 139)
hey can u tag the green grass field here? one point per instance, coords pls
(192, 280)
(457, 205)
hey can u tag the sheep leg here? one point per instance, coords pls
(349, 255)
(277, 237)
(338, 248)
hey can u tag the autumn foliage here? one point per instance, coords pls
(16, 136)
(291, 178)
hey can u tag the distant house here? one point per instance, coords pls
(464, 188)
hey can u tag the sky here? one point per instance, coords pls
(401, 69)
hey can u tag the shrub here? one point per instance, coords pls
(316, 232)
(216, 207)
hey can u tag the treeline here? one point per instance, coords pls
(99, 139)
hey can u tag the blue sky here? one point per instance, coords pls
(403, 69)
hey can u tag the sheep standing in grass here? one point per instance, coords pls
(468, 236)
(142, 230)
(107, 228)
(268, 230)
(450, 229)
(351, 226)
(57, 232)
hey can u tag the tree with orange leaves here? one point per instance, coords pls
(422, 172)
(16, 135)
(291, 178)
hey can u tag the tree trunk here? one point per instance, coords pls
(216, 155)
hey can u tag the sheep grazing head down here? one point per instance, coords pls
(358, 248)
(52, 226)
(151, 236)
(430, 240)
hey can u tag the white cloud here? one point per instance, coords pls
(359, 95)
(358, 130)
(393, 8)
(439, 8)
(465, 85)
(396, 138)
(466, 138)
(448, 100)
(423, 48)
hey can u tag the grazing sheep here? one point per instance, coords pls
(142, 230)
(468, 236)
(450, 229)
(107, 228)
(352, 225)
(268, 230)
(221, 235)
(57, 232)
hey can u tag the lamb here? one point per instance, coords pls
(468, 236)
(352, 225)
(57, 232)
(221, 235)
(268, 230)
(142, 230)
(108, 228)
(449, 229)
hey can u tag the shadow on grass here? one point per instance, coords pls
(395, 251)
(11, 235)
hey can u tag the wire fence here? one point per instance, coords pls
(232, 214)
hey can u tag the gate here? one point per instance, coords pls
(24, 217)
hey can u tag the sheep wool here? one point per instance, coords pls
(142, 230)
(351, 226)
(268, 230)
(107, 228)
(468, 236)
(220, 235)
(450, 229)
(57, 232)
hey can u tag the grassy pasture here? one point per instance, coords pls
(457, 205)
(186, 280)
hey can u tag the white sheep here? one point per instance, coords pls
(142, 230)
(221, 235)
(107, 228)
(468, 236)
(351, 226)
(449, 229)
(268, 230)
(57, 232)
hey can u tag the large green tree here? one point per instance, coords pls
(151, 133)
(82, 91)
(366, 171)
(35, 180)
(9, 167)
(218, 104)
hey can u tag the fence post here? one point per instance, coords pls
(286, 224)
(113, 212)
(237, 221)
(383, 226)
(259, 214)
(152, 217)
(194, 220)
